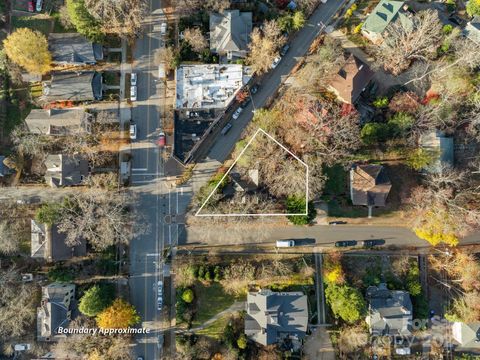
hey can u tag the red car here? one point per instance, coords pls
(161, 140)
(31, 6)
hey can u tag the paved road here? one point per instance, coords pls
(320, 235)
(155, 200)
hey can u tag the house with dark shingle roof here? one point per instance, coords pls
(230, 33)
(390, 312)
(273, 316)
(49, 244)
(65, 170)
(351, 79)
(386, 12)
(73, 49)
(59, 122)
(55, 310)
(369, 186)
(73, 86)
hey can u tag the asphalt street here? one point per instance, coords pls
(319, 235)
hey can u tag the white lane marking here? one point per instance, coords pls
(148, 174)
(139, 169)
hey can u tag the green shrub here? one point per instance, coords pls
(217, 273)
(447, 29)
(358, 28)
(60, 274)
(48, 213)
(188, 296)
(400, 123)
(473, 7)
(374, 133)
(381, 102)
(296, 205)
(96, 299)
(83, 21)
(346, 302)
(242, 342)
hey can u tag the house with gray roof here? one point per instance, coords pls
(472, 30)
(389, 311)
(73, 86)
(65, 170)
(55, 310)
(230, 33)
(273, 316)
(441, 146)
(385, 13)
(48, 243)
(73, 49)
(59, 122)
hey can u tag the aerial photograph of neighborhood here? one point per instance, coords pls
(239, 179)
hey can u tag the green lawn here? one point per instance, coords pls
(42, 25)
(337, 209)
(336, 180)
(210, 301)
(215, 330)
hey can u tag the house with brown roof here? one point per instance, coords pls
(369, 186)
(350, 80)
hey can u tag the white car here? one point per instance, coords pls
(133, 93)
(237, 113)
(133, 79)
(160, 288)
(276, 61)
(163, 29)
(133, 131)
(159, 303)
(39, 5)
(22, 347)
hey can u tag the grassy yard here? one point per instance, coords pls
(215, 329)
(211, 300)
(44, 25)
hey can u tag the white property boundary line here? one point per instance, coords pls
(234, 163)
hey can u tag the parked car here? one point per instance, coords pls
(160, 288)
(285, 243)
(285, 49)
(371, 243)
(226, 129)
(254, 89)
(31, 6)
(337, 222)
(139, 357)
(345, 243)
(276, 61)
(163, 28)
(133, 131)
(22, 347)
(162, 140)
(39, 5)
(133, 79)
(159, 303)
(160, 341)
(133, 93)
(237, 113)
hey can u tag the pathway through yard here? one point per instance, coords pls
(236, 306)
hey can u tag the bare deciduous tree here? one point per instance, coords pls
(263, 46)
(406, 43)
(165, 56)
(17, 312)
(121, 17)
(102, 218)
(195, 38)
(448, 204)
